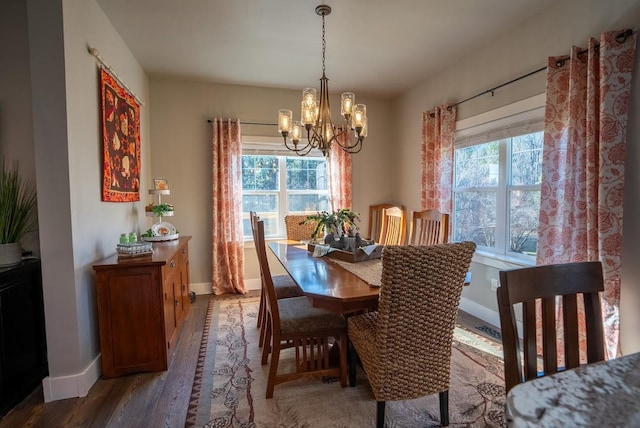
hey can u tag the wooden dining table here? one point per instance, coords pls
(325, 282)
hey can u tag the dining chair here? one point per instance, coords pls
(405, 346)
(428, 227)
(297, 231)
(546, 286)
(375, 220)
(294, 322)
(284, 285)
(394, 227)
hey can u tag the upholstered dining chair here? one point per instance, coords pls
(294, 322)
(375, 220)
(412, 331)
(428, 227)
(284, 285)
(544, 284)
(297, 231)
(394, 226)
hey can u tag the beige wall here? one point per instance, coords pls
(76, 228)
(182, 153)
(518, 52)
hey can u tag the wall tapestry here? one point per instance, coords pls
(121, 142)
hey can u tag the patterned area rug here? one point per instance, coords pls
(230, 384)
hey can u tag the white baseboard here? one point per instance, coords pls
(73, 386)
(485, 314)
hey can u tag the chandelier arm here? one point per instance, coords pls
(296, 148)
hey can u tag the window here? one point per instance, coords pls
(274, 185)
(496, 188)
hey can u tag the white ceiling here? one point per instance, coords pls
(378, 47)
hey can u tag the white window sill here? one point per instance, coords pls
(500, 261)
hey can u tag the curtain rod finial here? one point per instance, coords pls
(93, 51)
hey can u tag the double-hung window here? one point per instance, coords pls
(277, 182)
(496, 187)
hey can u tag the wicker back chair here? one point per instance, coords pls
(284, 285)
(296, 323)
(428, 227)
(544, 283)
(297, 231)
(412, 331)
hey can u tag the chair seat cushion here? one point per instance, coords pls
(286, 287)
(298, 315)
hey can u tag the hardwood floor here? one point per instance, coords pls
(140, 400)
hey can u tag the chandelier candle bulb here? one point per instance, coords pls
(284, 121)
(348, 99)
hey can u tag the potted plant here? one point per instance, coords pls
(17, 212)
(337, 223)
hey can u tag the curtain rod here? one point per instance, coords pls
(250, 123)
(95, 53)
(620, 38)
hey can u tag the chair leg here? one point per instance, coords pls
(444, 408)
(380, 415)
(343, 359)
(273, 369)
(353, 358)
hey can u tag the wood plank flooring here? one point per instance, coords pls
(141, 400)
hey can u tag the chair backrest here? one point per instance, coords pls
(428, 227)
(394, 226)
(265, 272)
(419, 298)
(544, 284)
(375, 220)
(297, 231)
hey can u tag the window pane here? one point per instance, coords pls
(475, 217)
(308, 203)
(262, 203)
(477, 166)
(306, 174)
(526, 161)
(260, 172)
(523, 224)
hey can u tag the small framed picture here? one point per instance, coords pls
(160, 184)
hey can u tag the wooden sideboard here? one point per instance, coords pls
(142, 302)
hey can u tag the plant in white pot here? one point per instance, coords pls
(17, 212)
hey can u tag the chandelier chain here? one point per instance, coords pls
(324, 45)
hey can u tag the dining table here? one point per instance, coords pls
(602, 394)
(335, 285)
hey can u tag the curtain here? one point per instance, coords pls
(226, 234)
(438, 136)
(339, 175)
(583, 164)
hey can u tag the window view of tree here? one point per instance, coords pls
(306, 189)
(488, 176)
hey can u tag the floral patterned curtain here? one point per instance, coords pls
(583, 163)
(339, 176)
(226, 235)
(438, 136)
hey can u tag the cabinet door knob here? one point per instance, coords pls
(172, 264)
(184, 251)
(175, 302)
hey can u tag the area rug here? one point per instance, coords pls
(230, 384)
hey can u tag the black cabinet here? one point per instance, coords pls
(23, 349)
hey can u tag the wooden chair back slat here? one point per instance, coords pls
(375, 220)
(544, 284)
(428, 227)
(393, 231)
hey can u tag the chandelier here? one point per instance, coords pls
(316, 117)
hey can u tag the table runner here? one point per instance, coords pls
(370, 271)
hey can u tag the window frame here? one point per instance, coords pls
(273, 146)
(520, 118)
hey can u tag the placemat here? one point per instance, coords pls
(370, 271)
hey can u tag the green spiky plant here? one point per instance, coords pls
(337, 221)
(17, 205)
